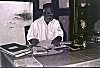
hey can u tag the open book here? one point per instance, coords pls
(46, 48)
(47, 44)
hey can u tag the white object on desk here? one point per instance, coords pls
(45, 44)
(46, 48)
(27, 62)
(65, 43)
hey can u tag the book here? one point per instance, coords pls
(47, 44)
(46, 48)
(15, 49)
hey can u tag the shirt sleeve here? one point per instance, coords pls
(58, 30)
(32, 31)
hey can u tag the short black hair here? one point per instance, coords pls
(48, 5)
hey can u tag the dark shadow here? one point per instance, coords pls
(26, 31)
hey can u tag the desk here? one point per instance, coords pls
(24, 61)
(69, 58)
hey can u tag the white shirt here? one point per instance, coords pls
(40, 30)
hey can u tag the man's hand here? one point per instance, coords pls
(34, 42)
(56, 41)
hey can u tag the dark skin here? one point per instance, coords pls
(48, 16)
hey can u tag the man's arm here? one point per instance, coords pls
(58, 30)
(31, 36)
(34, 41)
(58, 34)
(56, 41)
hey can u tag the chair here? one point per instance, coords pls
(26, 31)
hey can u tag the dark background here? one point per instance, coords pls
(91, 14)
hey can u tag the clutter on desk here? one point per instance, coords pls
(46, 48)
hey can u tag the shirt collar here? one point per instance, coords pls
(44, 20)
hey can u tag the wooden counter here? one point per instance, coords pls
(64, 59)
(69, 58)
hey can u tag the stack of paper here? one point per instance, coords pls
(15, 49)
(46, 48)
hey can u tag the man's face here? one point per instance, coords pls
(48, 14)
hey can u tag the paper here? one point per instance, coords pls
(46, 44)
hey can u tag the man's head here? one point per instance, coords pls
(48, 12)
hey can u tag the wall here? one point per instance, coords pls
(11, 25)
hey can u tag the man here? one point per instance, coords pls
(45, 28)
